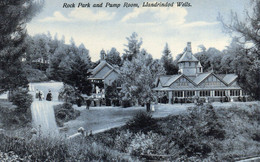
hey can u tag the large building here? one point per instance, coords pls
(192, 83)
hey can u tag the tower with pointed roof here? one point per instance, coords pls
(188, 64)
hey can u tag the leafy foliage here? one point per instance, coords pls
(71, 65)
(142, 121)
(169, 65)
(22, 100)
(245, 48)
(137, 78)
(113, 57)
(65, 112)
(133, 47)
(14, 16)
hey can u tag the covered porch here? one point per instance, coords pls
(190, 95)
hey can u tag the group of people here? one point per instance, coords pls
(40, 95)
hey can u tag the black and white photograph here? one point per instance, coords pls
(133, 81)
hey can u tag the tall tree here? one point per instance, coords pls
(167, 61)
(13, 19)
(137, 78)
(133, 47)
(113, 57)
(70, 64)
(210, 59)
(85, 53)
(246, 49)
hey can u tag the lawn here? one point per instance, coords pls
(99, 119)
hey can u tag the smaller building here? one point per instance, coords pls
(103, 75)
(192, 83)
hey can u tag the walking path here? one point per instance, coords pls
(42, 111)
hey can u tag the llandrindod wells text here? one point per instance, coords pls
(126, 4)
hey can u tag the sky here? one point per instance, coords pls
(107, 27)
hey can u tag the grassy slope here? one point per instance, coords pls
(241, 127)
(199, 134)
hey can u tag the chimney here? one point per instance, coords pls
(188, 46)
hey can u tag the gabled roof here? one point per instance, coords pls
(164, 78)
(229, 78)
(99, 67)
(188, 57)
(167, 81)
(201, 77)
(172, 79)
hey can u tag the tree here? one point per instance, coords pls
(13, 19)
(137, 78)
(70, 64)
(133, 47)
(246, 48)
(84, 52)
(210, 59)
(113, 57)
(167, 61)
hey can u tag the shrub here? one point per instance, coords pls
(65, 112)
(123, 140)
(144, 144)
(34, 75)
(205, 120)
(126, 103)
(142, 121)
(19, 114)
(59, 149)
(70, 95)
(22, 100)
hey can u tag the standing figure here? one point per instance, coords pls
(37, 93)
(49, 96)
(40, 95)
(88, 103)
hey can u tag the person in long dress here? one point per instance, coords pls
(49, 96)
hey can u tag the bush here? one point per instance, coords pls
(59, 149)
(34, 75)
(70, 95)
(108, 102)
(123, 140)
(143, 122)
(65, 112)
(126, 103)
(144, 144)
(19, 114)
(22, 100)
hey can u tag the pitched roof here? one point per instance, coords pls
(172, 79)
(164, 78)
(188, 57)
(201, 77)
(99, 67)
(229, 78)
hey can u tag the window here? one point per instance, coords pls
(234, 92)
(220, 93)
(178, 94)
(189, 93)
(204, 93)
